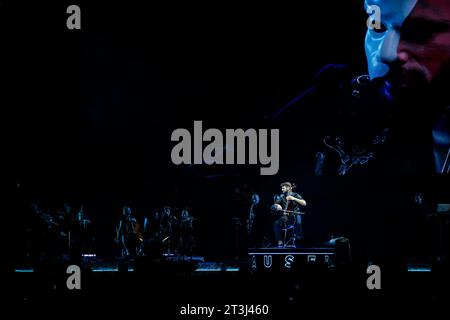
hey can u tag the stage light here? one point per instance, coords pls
(24, 270)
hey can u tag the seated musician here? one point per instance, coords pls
(288, 203)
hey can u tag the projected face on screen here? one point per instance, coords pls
(383, 37)
(410, 45)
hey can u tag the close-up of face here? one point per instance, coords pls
(382, 40)
(412, 47)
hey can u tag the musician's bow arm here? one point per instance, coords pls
(301, 202)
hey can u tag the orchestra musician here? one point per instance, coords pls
(80, 234)
(257, 224)
(289, 204)
(128, 233)
(186, 232)
(63, 219)
(168, 224)
(252, 215)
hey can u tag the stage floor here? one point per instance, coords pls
(167, 285)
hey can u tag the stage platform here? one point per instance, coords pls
(270, 259)
(285, 279)
(297, 250)
(190, 264)
(257, 259)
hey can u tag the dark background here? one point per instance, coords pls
(89, 113)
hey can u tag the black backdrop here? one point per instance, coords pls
(89, 113)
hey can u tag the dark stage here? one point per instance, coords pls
(166, 286)
(186, 156)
